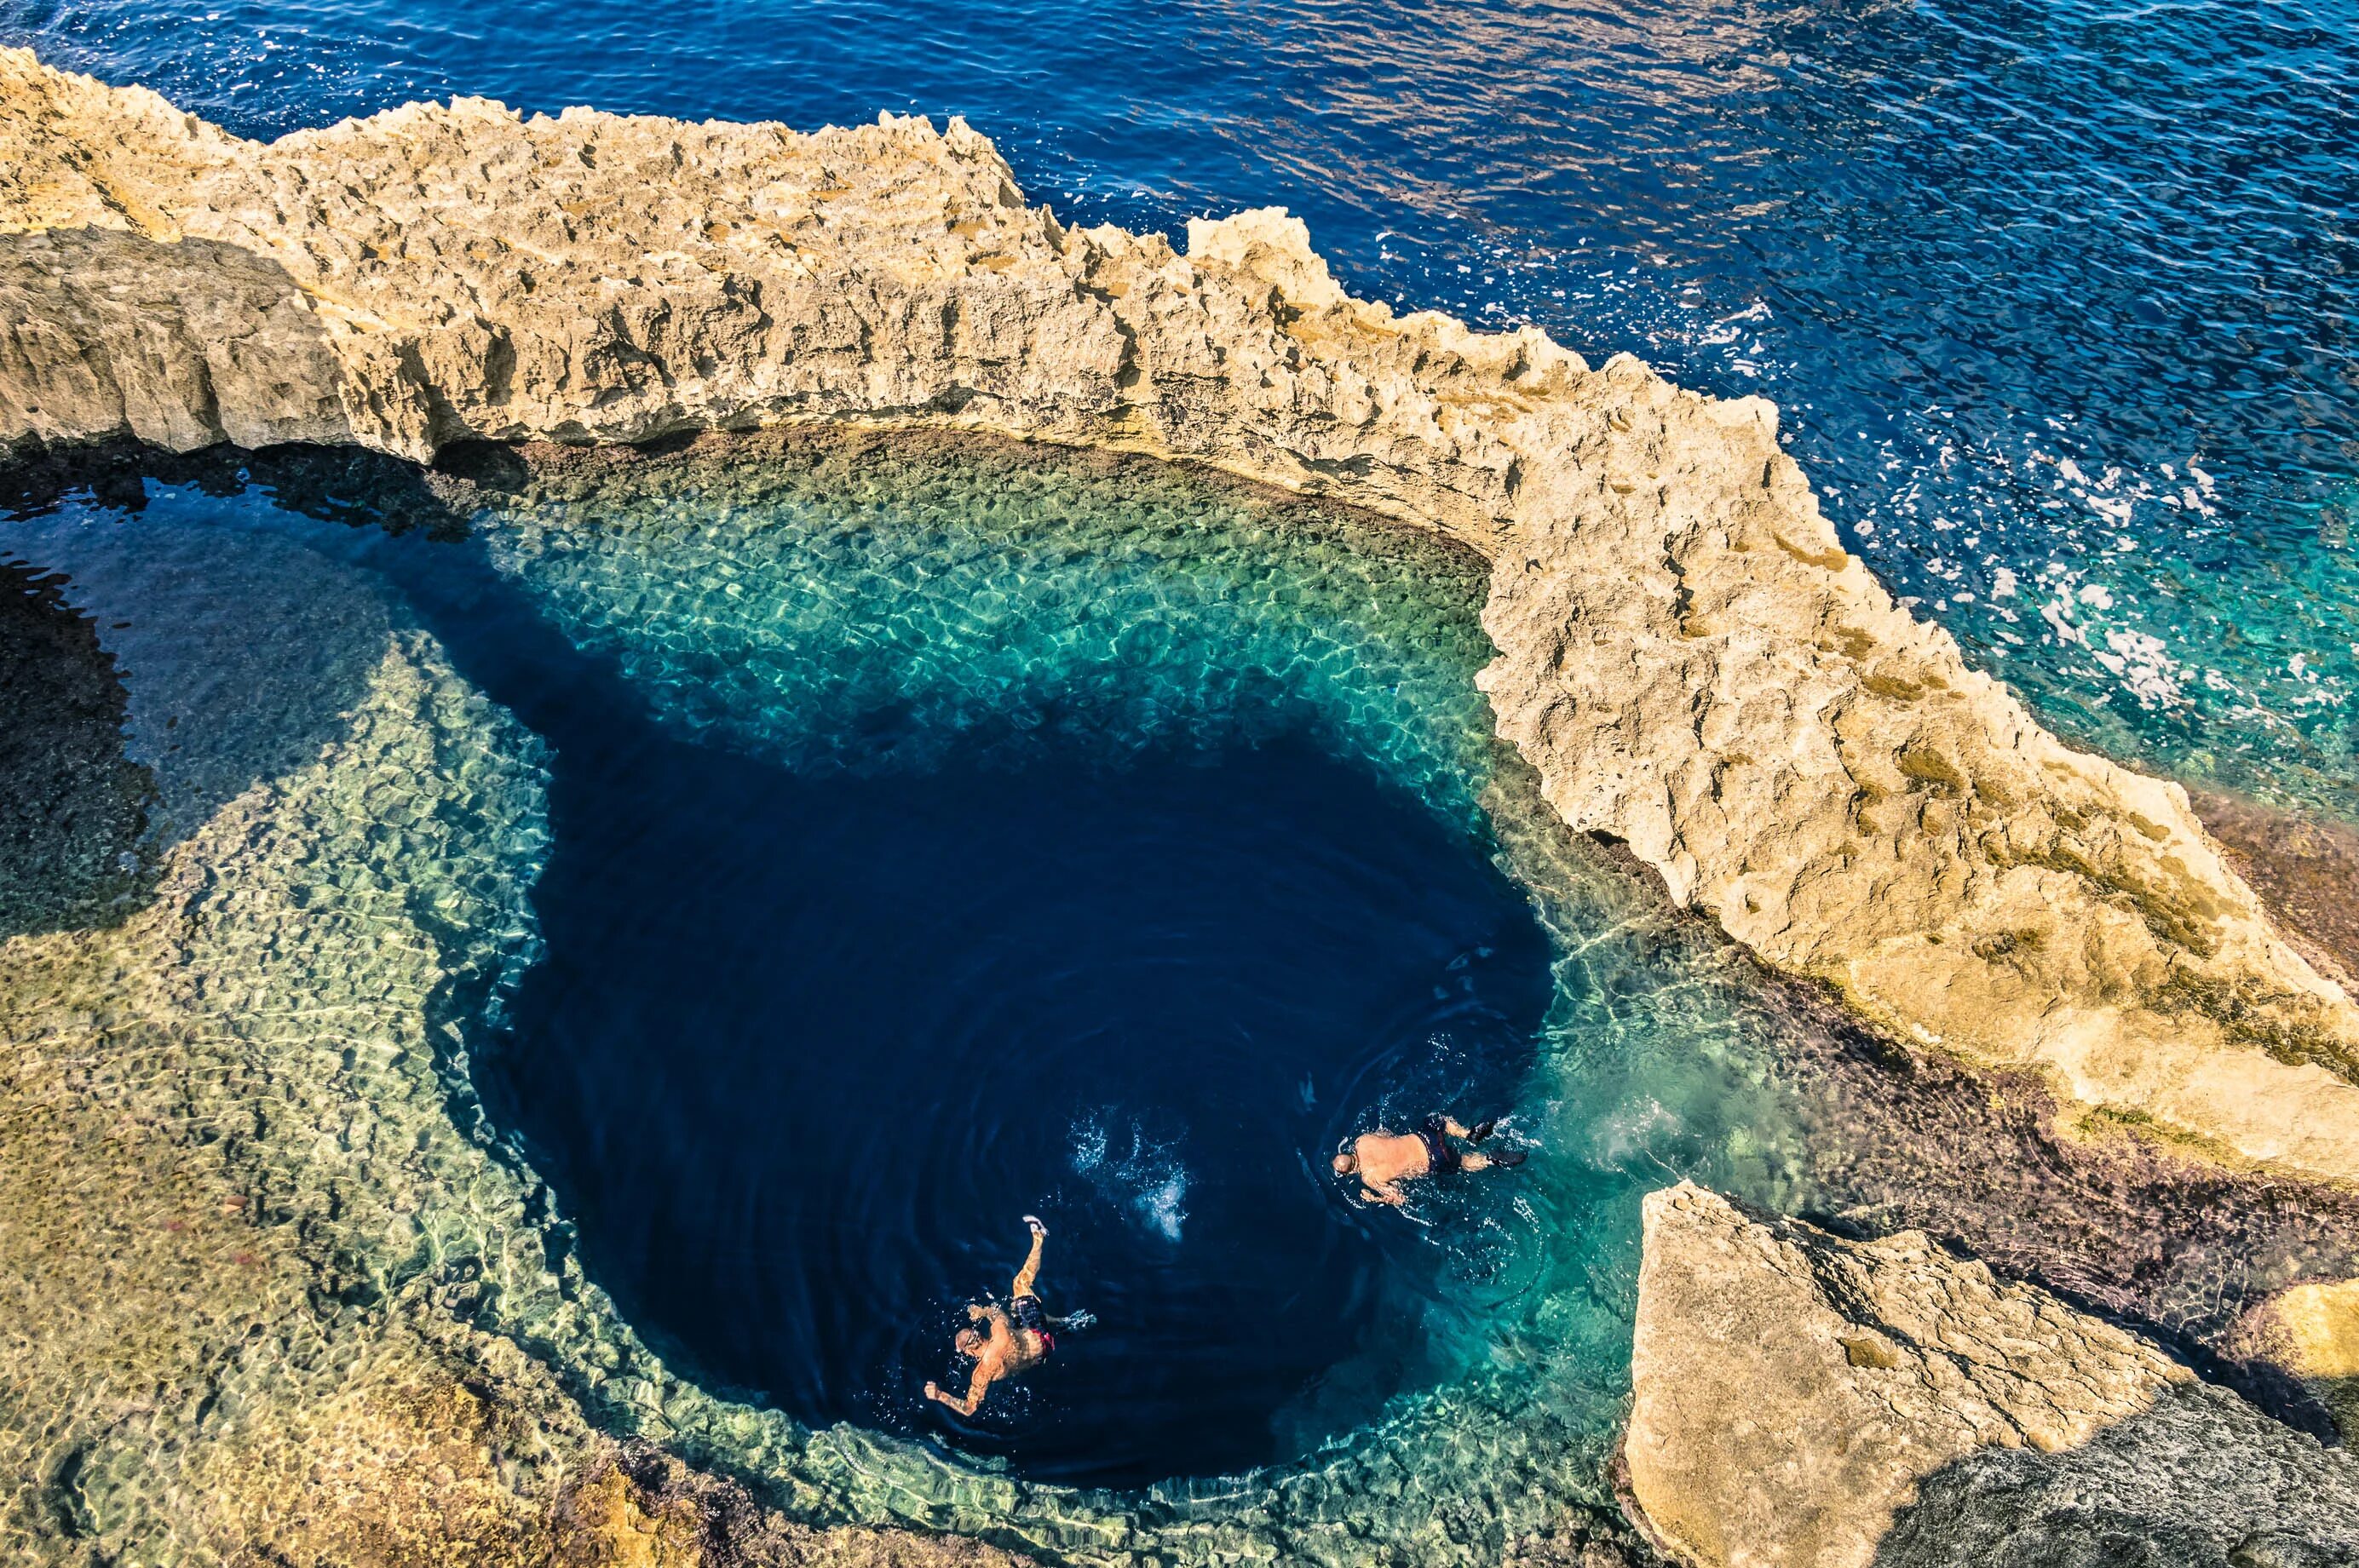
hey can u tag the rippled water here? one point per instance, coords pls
(2057, 298)
(1051, 851)
(933, 836)
(759, 804)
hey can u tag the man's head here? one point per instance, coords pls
(969, 1342)
(1346, 1163)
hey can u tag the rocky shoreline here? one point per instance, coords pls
(1803, 1400)
(1686, 655)
(1692, 668)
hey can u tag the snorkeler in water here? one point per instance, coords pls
(1012, 1341)
(1384, 1159)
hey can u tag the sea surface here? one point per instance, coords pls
(2057, 299)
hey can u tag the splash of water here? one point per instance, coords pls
(1138, 1173)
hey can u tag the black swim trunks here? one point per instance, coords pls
(1441, 1158)
(1026, 1312)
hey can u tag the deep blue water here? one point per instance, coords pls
(2058, 297)
(808, 1031)
(802, 1052)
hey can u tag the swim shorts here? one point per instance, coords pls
(1026, 1312)
(1441, 1158)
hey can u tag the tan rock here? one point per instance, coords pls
(1686, 653)
(2312, 1333)
(1805, 1401)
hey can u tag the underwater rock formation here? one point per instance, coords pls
(2311, 1331)
(1686, 655)
(1803, 1400)
(70, 800)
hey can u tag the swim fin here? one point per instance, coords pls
(1482, 1131)
(1509, 1159)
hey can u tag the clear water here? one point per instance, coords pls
(1106, 846)
(2057, 298)
(914, 839)
(996, 858)
(796, 857)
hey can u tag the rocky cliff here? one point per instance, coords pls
(1686, 653)
(1806, 1400)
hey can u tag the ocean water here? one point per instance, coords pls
(781, 810)
(2057, 298)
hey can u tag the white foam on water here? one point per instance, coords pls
(1134, 1171)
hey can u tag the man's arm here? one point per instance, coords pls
(1388, 1193)
(973, 1392)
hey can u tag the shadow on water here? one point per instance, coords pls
(86, 797)
(73, 806)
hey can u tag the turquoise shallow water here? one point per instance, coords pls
(836, 628)
(2057, 298)
(862, 630)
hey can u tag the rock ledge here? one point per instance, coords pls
(1806, 1400)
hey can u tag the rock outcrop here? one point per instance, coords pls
(2311, 1333)
(1806, 1400)
(1686, 653)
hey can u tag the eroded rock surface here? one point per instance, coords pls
(1686, 655)
(1802, 1399)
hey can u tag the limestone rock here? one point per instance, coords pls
(2305, 869)
(2311, 1331)
(1687, 656)
(1806, 1400)
(179, 345)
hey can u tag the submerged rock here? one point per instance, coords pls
(2311, 1333)
(71, 802)
(1686, 655)
(1804, 1399)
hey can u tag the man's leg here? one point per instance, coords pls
(1471, 1160)
(1031, 1270)
(1449, 1125)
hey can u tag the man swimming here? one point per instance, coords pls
(1010, 1342)
(1385, 1160)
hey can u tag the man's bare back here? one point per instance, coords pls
(1384, 1159)
(1012, 1340)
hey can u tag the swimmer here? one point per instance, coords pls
(1384, 1159)
(1009, 1342)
